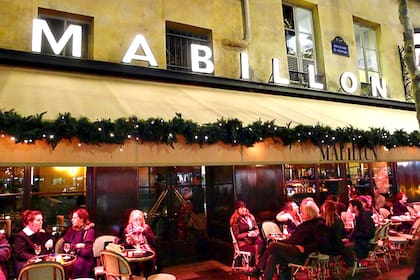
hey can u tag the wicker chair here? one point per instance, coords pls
(117, 267)
(98, 246)
(241, 259)
(42, 270)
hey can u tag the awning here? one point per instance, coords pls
(29, 91)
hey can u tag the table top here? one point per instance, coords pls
(277, 236)
(63, 259)
(135, 255)
(403, 218)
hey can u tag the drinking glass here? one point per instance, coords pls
(66, 247)
(37, 249)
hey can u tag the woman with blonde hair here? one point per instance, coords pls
(137, 233)
(140, 235)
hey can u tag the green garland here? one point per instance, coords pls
(229, 131)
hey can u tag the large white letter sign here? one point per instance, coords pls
(275, 65)
(353, 82)
(138, 41)
(40, 25)
(205, 60)
(244, 66)
(417, 48)
(378, 87)
(312, 82)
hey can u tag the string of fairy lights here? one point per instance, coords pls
(33, 128)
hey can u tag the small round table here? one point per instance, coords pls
(63, 259)
(134, 255)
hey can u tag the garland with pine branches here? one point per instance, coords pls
(29, 129)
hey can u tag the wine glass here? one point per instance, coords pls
(66, 247)
(37, 249)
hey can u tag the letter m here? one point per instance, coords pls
(40, 26)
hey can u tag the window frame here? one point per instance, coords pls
(68, 18)
(301, 75)
(195, 35)
(365, 70)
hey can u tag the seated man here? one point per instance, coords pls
(310, 236)
(363, 231)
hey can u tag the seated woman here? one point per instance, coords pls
(81, 236)
(290, 216)
(400, 204)
(30, 237)
(246, 231)
(5, 253)
(335, 233)
(140, 235)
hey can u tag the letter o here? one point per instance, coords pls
(353, 80)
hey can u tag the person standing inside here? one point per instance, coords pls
(81, 236)
(246, 230)
(140, 235)
(5, 253)
(379, 198)
(32, 240)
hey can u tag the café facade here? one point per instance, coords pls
(169, 107)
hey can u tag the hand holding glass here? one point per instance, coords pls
(66, 247)
(37, 249)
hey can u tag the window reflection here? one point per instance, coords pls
(52, 190)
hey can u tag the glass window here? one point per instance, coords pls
(300, 181)
(367, 53)
(382, 176)
(56, 191)
(58, 23)
(299, 32)
(11, 198)
(178, 45)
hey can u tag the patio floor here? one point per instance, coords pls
(212, 270)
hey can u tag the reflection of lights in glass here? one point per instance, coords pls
(71, 170)
(402, 163)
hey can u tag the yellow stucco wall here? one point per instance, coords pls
(117, 22)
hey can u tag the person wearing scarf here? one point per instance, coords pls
(81, 236)
(140, 236)
(246, 230)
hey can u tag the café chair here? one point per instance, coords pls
(384, 212)
(411, 211)
(42, 270)
(399, 246)
(381, 247)
(241, 259)
(116, 266)
(413, 234)
(270, 229)
(315, 267)
(372, 260)
(161, 276)
(98, 245)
